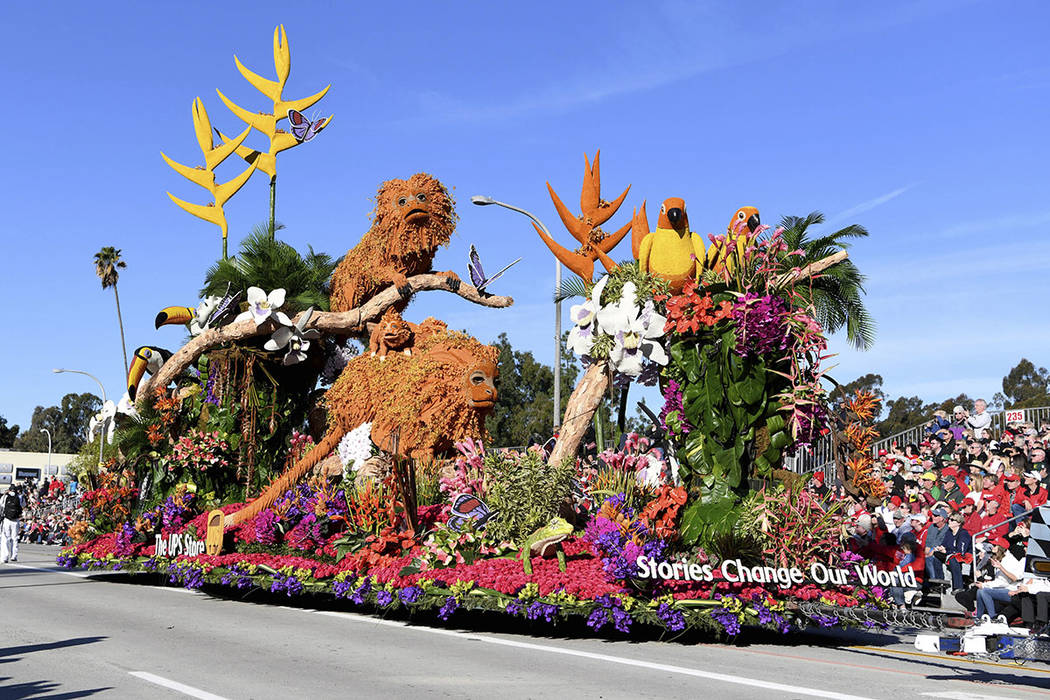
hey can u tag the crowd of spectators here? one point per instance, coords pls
(48, 512)
(956, 511)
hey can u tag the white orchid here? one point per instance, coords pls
(262, 307)
(294, 337)
(127, 407)
(355, 448)
(634, 331)
(104, 422)
(585, 320)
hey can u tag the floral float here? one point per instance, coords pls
(238, 450)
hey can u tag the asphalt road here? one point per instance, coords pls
(75, 635)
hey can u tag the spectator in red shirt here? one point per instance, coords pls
(991, 517)
(56, 489)
(1035, 493)
(971, 518)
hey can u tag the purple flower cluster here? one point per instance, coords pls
(767, 616)
(384, 598)
(514, 608)
(672, 416)
(761, 325)
(266, 527)
(619, 547)
(410, 595)
(672, 619)
(289, 584)
(150, 564)
(174, 515)
(728, 619)
(825, 620)
(209, 387)
(451, 605)
(66, 561)
(812, 418)
(124, 547)
(544, 611)
(306, 535)
(237, 576)
(608, 608)
(185, 574)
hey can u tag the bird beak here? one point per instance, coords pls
(173, 315)
(138, 368)
(753, 222)
(674, 215)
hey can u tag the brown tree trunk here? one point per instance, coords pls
(579, 411)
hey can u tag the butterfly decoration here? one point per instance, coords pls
(467, 507)
(224, 312)
(302, 128)
(477, 274)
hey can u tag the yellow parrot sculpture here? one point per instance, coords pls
(728, 254)
(672, 251)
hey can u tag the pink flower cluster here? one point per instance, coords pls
(198, 450)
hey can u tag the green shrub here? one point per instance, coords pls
(525, 490)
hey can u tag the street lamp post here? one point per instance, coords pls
(101, 442)
(481, 201)
(45, 430)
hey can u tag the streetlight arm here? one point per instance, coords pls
(102, 433)
(86, 374)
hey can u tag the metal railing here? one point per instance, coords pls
(821, 457)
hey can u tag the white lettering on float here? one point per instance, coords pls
(734, 571)
(175, 545)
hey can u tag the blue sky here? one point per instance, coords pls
(924, 122)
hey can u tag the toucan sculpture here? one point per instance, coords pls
(212, 312)
(147, 359)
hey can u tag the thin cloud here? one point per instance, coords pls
(869, 205)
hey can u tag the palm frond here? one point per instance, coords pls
(269, 264)
(572, 287)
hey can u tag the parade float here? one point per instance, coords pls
(307, 440)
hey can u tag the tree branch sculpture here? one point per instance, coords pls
(344, 323)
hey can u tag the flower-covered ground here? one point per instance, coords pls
(313, 541)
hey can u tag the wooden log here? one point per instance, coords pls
(815, 268)
(579, 411)
(344, 322)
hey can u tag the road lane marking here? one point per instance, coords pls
(47, 571)
(174, 589)
(624, 661)
(956, 695)
(176, 686)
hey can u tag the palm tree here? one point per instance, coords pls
(836, 293)
(268, 263)
(107, 262)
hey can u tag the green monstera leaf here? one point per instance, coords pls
(712, 512)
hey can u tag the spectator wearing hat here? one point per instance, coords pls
(953, 491)
(1035, 494)
(1014, 494)
(816, 484)
(933, 543)
(958, 423)
(971, 516)
(1008, 570)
